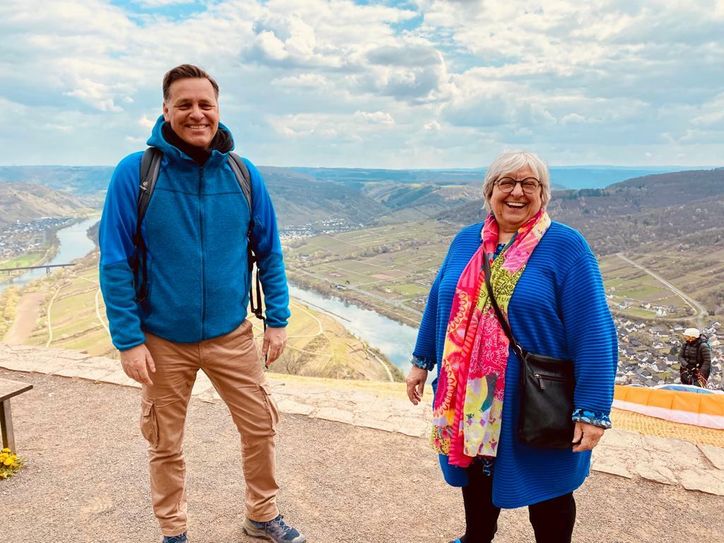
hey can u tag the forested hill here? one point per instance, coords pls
(80, 180)
(564, 177)
(25, 202)
(612, 217)
(678, 209)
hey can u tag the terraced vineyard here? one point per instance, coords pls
(386, 268)
(66, 310)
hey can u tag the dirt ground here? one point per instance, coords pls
(86, 481)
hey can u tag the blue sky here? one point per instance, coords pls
(409, 84)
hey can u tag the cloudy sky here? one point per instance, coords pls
(395, 84)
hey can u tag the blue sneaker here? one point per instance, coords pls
(181, 538)
(275, 530)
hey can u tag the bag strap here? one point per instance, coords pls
(520, 351)
(150, 165)
(238, 166)
(241, 172)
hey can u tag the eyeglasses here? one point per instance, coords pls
(529, 185)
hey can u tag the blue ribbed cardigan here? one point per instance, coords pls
(559, 309)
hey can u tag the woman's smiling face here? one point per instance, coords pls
(512, 210)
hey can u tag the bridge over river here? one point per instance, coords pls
(40, 267)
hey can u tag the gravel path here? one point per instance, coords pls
(26, 315)
(86, 481)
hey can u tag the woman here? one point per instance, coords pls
(546, 280)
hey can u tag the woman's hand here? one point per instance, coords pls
(585, 436)
(416, 384)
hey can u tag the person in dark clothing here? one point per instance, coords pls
(695, 358)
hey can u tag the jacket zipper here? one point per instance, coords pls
(203, 251)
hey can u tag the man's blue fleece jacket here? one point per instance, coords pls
(195, 229)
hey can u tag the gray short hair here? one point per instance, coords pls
(511, 161)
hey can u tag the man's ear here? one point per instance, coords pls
(165, 112)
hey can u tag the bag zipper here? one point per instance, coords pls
(541, 377)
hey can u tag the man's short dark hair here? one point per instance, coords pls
(185, 71)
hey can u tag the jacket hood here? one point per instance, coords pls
(222, 143)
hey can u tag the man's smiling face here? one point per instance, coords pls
(192, 109)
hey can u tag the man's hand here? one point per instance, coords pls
(275, 339)
(586, 436)
(416, 384)
(138, 364)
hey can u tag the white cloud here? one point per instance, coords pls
(302, 81)
(95, 94)
(422, 83)
(147, 122)
(573, 118)
(271, 47)
(432, 126)
(374, 117)
(162, 3)
(711, 114)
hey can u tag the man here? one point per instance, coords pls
(193, 312)
(695, 358)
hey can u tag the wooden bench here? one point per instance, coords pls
(8, 389)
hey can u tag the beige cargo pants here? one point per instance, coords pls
(233, 366)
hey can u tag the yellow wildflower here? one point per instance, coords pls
(10, 464)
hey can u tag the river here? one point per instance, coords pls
(73, 243)
(392, 339)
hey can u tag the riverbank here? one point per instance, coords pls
(391, 339)
(40, 254)
(56, 250)
(21, 308)
(326, 288)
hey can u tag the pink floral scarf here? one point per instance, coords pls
(469, 400)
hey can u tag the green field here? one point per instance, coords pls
(701, 278)
(30, 259)
(390, 269)
(387, 268)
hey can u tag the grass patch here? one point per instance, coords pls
(29, 259)
(8, 305)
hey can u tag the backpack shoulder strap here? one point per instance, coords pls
(243, 177)
(150, 166)
(148, 175)
(241, 172)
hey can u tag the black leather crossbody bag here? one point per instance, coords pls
(546, 390)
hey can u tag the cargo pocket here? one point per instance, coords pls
(271, 405)
(149, 424)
